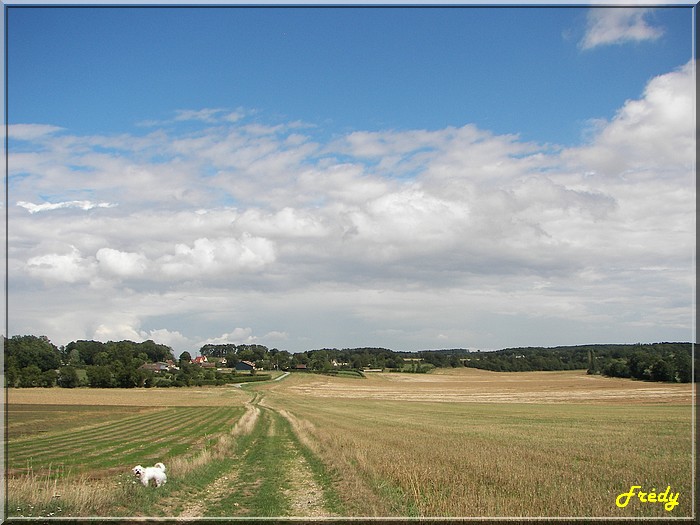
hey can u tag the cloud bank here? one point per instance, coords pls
(239, 230)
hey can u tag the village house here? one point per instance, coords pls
(245, 366)
(202, 361)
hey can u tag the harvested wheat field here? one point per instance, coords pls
(453, 443)
(473, 443)
(151, 397)
(469, 385)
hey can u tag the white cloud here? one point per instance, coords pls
(68, 268)
(237, 336)
(205, 115)
(287, 223)
(616, 25)
(218, 256)
(174, 339)
(117, 332)
(275, 336)
(121, 264)
(31, 132)
(47, 206)
(649, 133)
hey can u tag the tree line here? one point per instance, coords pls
(670, 362)
(36, 361)
(32, 361)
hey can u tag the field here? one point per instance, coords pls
(454, 443)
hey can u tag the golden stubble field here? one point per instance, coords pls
(469, 385)
(473, 443)
(453, 443)
(133, 397)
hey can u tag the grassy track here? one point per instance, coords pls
(267, 473)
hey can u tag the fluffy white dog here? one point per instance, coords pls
(155, 473)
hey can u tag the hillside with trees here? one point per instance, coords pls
(670, 362)
(32, 361)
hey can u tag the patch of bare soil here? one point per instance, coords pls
(305, 495)
(214, 491)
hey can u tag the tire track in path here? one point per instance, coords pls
(199, 501)
(265, 475)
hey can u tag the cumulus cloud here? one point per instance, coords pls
(617, 25)
(649, 133)
(121, 264)
(70, 267)
(212, 256)
(163, 336)
(237, 336)
(117, 332)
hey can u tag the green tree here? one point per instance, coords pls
(31, 350)
(68, 377)
(99, 376)
(86, 349)
(283, 359)
(30, 376)
(231, 359)
(101, 359)
(11, 375)
(662, 370)
(74, 358)
(683, 366)
(48, 379)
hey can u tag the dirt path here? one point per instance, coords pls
(305, 495)
(265, 475)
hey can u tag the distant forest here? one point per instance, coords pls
(651, 362)
(32, 361)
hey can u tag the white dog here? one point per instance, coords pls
(155, 473)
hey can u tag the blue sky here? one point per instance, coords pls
(316, 177)
(509, 70)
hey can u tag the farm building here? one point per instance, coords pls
(243, 366)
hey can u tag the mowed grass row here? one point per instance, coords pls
(255, 468)
(93, 432)
(399, 458)
(30, 419)
(155, 436)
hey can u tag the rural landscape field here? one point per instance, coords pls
(453, 443)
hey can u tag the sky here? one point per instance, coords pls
(308, 177)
